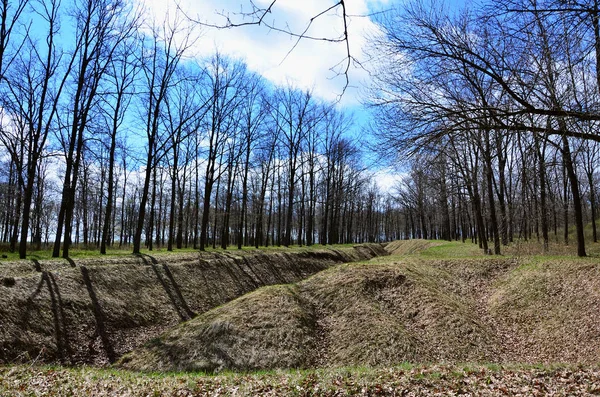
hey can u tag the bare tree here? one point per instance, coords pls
(121, 75)
(252, 13)
(161, 55)
(35, 84)
(100, 26)
(225, 78)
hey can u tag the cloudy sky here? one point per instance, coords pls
(311, 64)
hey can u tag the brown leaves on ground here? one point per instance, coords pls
(436, 380)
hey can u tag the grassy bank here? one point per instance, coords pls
(92, 311)
(347, 329)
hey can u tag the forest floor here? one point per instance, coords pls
(434, 318)
(400, 380)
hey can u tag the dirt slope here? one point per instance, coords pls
(391, 311)
(93, 311)
(354, 314)
(550, 311)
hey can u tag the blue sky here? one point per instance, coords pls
(268, 52)
(273, 55)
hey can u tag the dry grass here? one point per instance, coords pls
(243, 335)
(383, 314)
(420, 308)
(352, 314)
(550, 309)
(440, 305)
(94, 310)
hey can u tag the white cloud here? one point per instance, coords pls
(387, 179)
(272, 54)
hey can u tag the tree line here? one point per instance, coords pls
(496, 108)
(155, 147)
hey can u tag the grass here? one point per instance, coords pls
(466, 379)
(79, 252)
(233, 333)
(438, 302)
(93, 309)
(453, 249)
(360, 313)
(435, 317)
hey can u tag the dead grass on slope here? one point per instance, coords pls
(551, 310)
(271, 327)
(380, 313)
(94, 310)
(401, 311)
(353, 314)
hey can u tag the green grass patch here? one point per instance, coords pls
(79, 252)
(452, 249)
(416, 379)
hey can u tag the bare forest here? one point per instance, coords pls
(496, 107)
(114, 135)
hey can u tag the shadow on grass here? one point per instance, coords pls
(99, 317)
(170, 286)
(63, 346)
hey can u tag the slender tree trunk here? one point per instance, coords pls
(180, 212)
(137, 239)
(490, 190)
(543, 205)
(565, 203)
(243, 220)
(593, 205)
(173, 199)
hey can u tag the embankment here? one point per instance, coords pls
(394, 310)
(93, 311)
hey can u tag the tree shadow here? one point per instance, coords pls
(63, 346)
(37, 265)
(177, 291)
(71, 262)
(274, 271)
(258, 280)
(29, 303)
(60, 319)
(242, 284)
(99, 316)
(170, 286)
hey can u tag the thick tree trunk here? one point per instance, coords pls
(577, 205)
(590, 176)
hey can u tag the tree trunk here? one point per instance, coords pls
(577, 205)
